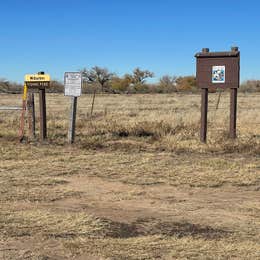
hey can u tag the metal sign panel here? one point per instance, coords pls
(37, 78)
(73, 84)
(37, 81)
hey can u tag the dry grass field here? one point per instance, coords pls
(137, 184)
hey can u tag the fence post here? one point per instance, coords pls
(21, 130)
(93, 102)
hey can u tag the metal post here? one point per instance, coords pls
(43, 120)
(21, 130)
(204, 115)
(72, 120)
(233, 113)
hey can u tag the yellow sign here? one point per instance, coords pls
(37, 78)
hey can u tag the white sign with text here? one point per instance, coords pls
(73, 84)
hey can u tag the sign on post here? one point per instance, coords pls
(38, 81)
(73, 86)
(218, 70)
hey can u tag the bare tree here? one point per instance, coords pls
(10, 87)
(97, 75)
(139, 76)
(168, 83)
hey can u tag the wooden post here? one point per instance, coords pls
(72, 120)
(31, 116)
(93, 102)
(218, 101)
(204, 115)
(43, 120)
(218, 70)
(233, 113)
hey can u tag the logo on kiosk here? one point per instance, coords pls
(218, 74)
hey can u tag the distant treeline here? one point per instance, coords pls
(101, 80)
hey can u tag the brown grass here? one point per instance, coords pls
(137, 184)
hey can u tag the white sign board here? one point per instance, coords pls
(73, 84)
(218, 74)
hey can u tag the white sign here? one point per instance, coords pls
(218, 74)
(73, 84)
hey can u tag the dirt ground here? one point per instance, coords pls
(137, 184)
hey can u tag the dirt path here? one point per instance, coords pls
(141, 211)
(226, 207)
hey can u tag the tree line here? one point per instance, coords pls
(101, 80)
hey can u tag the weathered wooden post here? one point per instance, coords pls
(204, 109)
(31, 114)
(204, 115)
(233, 103)
(43, 119)
(218, 70)
(39, 81)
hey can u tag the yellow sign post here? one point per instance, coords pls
(36, 81)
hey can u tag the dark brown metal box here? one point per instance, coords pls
(218, 69)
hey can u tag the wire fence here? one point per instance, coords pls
(10, 108)
(216, 104)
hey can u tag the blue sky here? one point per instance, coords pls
(159, 35)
